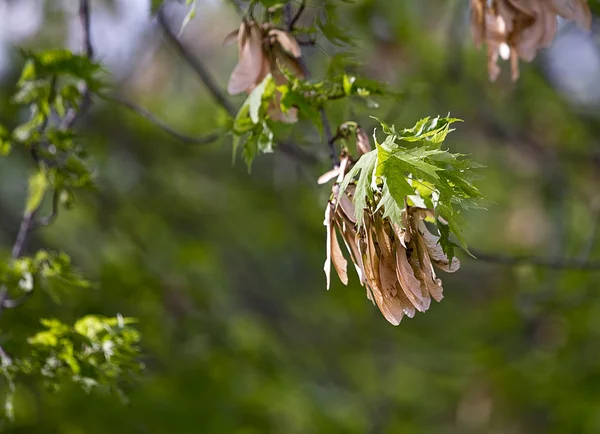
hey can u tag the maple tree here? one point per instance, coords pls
(398, 204)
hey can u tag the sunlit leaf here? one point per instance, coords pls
(38, 185)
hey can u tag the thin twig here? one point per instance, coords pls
(556, 264)
(288, 148)
(88, 48)
(204, 75)
(326, 127)
(299, 12)
(24, 230)
(22, 235)
(335, 160)
(84, 14)
(287, 15)
(310, 42)
(28, 222)
(153, 119)
(48, 220)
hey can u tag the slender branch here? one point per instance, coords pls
(335, 160)
(299, 12)
(28, 222)
(326, 127)
(287, 15)
(22, 235)
(24, 230)
(48, 220)
(216, 93)
(204, 75)
(84, 14)
(84, 18)
(556, 264)
(153, 119)
(298, 153)
(310, 42)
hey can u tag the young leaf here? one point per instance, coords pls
(255, 99)
(38, 185)
(364, 168)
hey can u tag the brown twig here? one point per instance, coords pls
(335, 160)
(210, 138)
(28, 222)
(202, 72)
(218, 96)
(299, 12)
(88, 48)
(556, 264)
(48, 220)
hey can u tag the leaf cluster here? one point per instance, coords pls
(50, 272)
(253, 129)
(410, 167)
(95, 352)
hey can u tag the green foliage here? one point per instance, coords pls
(237, 333)
(38, 185)
(329, 24)
(49, 272)
(96, 352)
(51, 83)
(272, 3)
(251, 129)
(340, 62)
(5, 145)
(423, 174)
(364, 169)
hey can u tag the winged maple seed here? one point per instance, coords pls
(395, 263)
(517, 29)
(260, 51)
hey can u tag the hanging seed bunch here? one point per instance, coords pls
(514, 29)
(394, 253)
(263, 50)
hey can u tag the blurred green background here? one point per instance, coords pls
(224, 270)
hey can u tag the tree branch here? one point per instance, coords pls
(218, 96)
(202, 72)
(556, 264)
(47, 221)
(299, 12)
(160, 124)
(28, 222)
(88, 49)
(335, 160)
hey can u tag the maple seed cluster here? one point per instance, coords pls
(517, 29)
(395, 263)
(264, 50)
